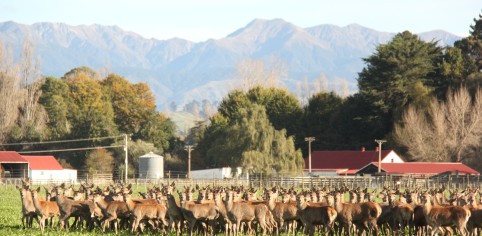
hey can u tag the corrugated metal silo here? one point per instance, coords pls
(151, 166)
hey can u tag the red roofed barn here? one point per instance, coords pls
(39, 169)
(425, 169)
(346, 162)
(13, 165)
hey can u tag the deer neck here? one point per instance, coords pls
(229, 204)
(130, 204)
(302, 205)
(338, 205)
(36, 204)
(101, 203)
(427, 207)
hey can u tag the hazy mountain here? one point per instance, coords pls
(181, 71)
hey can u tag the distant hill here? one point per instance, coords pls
(181, 71)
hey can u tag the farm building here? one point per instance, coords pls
(421, 169)
(331, 163)
(46, 169)
(13, 165)
(217, 173)
(151, 166)
(39, 169)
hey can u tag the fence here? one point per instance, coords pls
(305, 182)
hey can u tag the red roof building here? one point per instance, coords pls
(347, 162)
(418, 168)
(11, 157)
(43, 163)
(13, 165)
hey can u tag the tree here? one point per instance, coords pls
(9, 92)
(254, 73)
(91, 113)
(283, 108)
(394, 70)
(157, 129)
(136, 149)
(132, 103)
(318, 120)
(82, 70)
(99, 161)
(253, 143)
(449, 131)
(21, 81)
(55, 100)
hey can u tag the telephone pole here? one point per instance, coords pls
(126, 157)
(380, 142)
(309, 140)
(189, 148)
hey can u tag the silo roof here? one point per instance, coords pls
(150, 155)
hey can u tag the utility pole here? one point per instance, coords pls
(380, 142)
(189, 148)
(309, 140)
(126, 157)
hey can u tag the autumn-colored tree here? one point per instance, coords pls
(91, 113)
(132, 103)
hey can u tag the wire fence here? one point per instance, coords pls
(453, 181)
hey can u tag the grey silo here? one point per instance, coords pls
(151, 166)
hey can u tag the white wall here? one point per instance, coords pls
(49, 176)
(392, 157)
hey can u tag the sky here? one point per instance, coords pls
(199, 20)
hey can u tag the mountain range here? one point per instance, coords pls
(180, 71)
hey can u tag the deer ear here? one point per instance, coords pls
(38, 189)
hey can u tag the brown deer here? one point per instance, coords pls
(223, 213)
(70, 208)
(475, 220)
(193, 212)
(44, 208)
(444, 216)
(314, 215)
(147, 212)
(363, 215)
(111, 211)
(176, 219)
(282, 212)
(28, 209)
(239, 212)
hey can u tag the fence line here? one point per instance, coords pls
(304, 182)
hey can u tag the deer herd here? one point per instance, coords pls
(169, 209)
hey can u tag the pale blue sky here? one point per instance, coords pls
(198, 20)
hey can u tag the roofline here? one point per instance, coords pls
(376, 165)
(14, 162)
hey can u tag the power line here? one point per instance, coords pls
(71, 149)
(62, 141)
